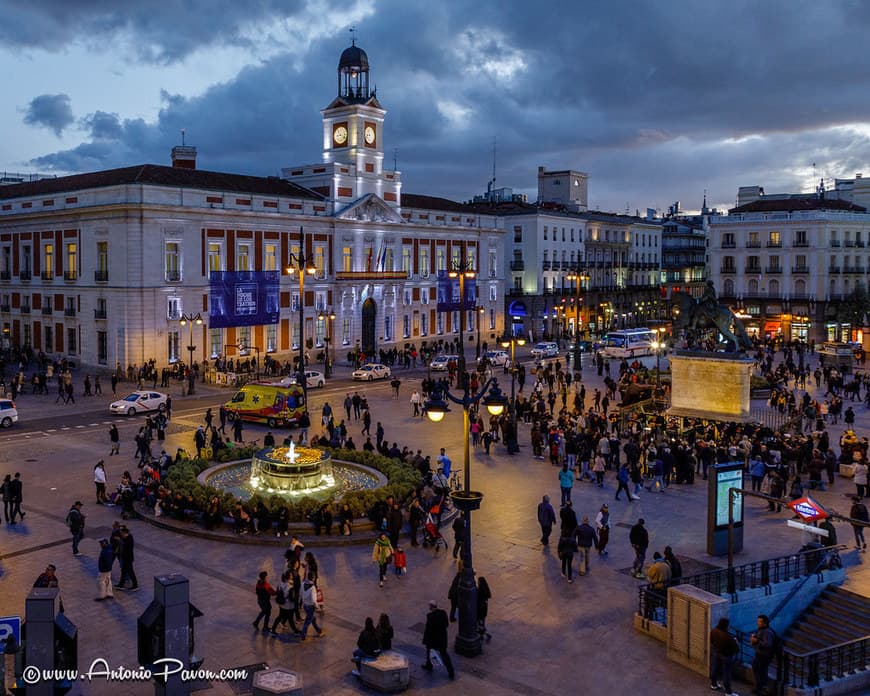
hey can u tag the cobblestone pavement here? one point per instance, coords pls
(549, 637)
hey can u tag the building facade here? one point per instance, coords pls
(101, 267)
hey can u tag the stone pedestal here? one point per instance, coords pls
(714, 386)
(279, 681)
(390, 673)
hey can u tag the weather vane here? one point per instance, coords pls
(353, 35)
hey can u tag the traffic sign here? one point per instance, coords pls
(9, 626)
(808, 509)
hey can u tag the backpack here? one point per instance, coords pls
(280, 597)
(68, 520)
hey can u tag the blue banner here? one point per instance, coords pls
(448, 293)
(243, 298)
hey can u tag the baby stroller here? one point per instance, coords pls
(431, 536)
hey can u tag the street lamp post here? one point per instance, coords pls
(480, 311)
(468, 640)
(578, 279)
(189, 320)
(302, 264)
(511, 341)
(462, 271)
(328, 358)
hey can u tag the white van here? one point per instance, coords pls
(545, 350)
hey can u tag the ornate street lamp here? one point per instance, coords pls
(512, 440)
(468, 640)
(328, 358)
(301, 264)
(189, 320)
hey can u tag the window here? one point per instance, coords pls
(71, 342)
(99, 312)
(493, 267)
(174, 308)
(173, 261)
(28, 335)
(439, 322)
(215, 342)
(270, 257)
(471, 259)
(406, 326)
(424, 261)
(774, 239)
(518, 234)
(454, 322)
(752, 264)
(347, 259)
(103, 258)
(271, 338)
(470, 318)
(455, 257)
(406, 261)
(243, 257)
(72, 266)
(440, 260)
(26, 261)
(800, 238)
(424, 296)
(102, 347)
(545, 233)
(215, 257)
(48, 261)
(6, 261)
(752, 240)
(800, 261)
(319, 330)
(493, 293)
(389, 260)
(294, 301)
(345, 332)
(728, 240)
(48, 338)
(491, 318)
(320, 301)
(563, 234)
(774, 263)
(572, 234)
(424, 324)
(320, 262)
(173, 346)
(244, 340)
(388, 328)
(406, 297)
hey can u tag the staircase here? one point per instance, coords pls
(837, 616)
(830, 642)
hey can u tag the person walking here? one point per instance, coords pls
(566, 483)
(859, 512)
(435, 638)
(724, 648)
(264, 592)
(568, 519)
(104, 571)
(16, 497)
(75, 520)
(416, 400)
(100, 482)
(237, 430)
(126, 557)
(115, 439)
(382, 553)
(284, 600)
(458, 535)
(546, 518)
(7, 496)
(566, 549)
(586, 539)
(639, 539)
(309, 606)
(764, 642)
(622, 477)
(602, 527)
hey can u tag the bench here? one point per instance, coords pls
(389, 673)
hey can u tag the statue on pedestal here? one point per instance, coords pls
(694, 316)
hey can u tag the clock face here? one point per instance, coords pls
(339, 134)
(369, 134)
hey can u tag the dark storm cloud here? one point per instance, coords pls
(657, 101)
(51, 111)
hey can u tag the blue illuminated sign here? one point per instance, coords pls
(243, 298)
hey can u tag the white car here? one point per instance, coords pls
(372, 371)
(139, 402)
(441, 363)
(313, 379)
(8, 413)
(497, 358)
(546, 349)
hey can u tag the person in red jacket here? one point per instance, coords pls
(265, 592)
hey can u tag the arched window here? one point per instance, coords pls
(773, 288)
(753, 287)
(728, 289)
(800, 288)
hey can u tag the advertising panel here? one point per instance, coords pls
(243, 298)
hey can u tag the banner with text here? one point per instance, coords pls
(243, 298)
(448, 293)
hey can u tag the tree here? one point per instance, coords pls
(855, 307)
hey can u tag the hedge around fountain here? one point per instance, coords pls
(402, 479)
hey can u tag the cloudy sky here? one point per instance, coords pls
(657, 101)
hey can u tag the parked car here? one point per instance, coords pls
(139, 402)
(8, 413)
(441, 363)
(497, 358)
(547, 349)
(314, 379)
(371, 371)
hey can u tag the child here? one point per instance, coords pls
(400, 561)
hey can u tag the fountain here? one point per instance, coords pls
(292, 472)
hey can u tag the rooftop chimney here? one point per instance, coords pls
(183, 156)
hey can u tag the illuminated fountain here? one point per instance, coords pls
(291, 471)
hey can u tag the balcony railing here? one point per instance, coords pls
(46, 309)
(729, 245)
(5, 308)
(854, 269)
(70, 275)
(727, 270)
(47, 275)
(774, 245)
(753, 269)
(546, 265)
(99, 313)
(834, 269)
(849, 244)
(803, 243)
(753, 245)
(5, 275)
(518, 265)
(835, 243)
(773, 269)
(24, 275)
(173, 276)
(859, 244)
(800, 269)
(101, 276)
(25, 309)
(69, 311)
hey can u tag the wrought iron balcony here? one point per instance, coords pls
(24, 275)
(99, 313)
(800, 269)
(518, 265)
(46, 309)
(69, 311)
(70, 275)
(25, 309)
(101, 276)
(173, 276)
(5, 275)
(47, 275)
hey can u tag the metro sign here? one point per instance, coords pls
(808, 509)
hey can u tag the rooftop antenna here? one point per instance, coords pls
(396, 159)
(353, 35)
(182, 136)
(489, 187)
(814, 172)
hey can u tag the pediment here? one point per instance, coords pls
(370, 208)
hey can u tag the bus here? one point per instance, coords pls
(629, 343)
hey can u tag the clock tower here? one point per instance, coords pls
(353, 151)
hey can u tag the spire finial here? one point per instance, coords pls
(182, 136)
(353, 35)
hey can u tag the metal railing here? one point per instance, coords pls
(101, 276)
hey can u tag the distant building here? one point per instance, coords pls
(684, 251)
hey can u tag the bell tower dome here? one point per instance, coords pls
(353, 74)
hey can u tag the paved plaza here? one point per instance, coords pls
(549, 637)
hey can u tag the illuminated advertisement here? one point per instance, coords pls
(725, 480)
(243, 298)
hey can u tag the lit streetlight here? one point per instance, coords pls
(301, 264)
(189, 320)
